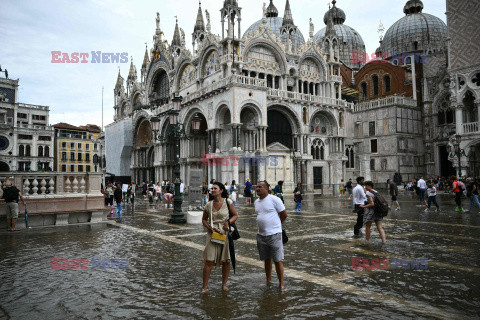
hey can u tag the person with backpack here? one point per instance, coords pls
(472, 193)
(458, 191)
(11, 195)
(278, 191)
(118, 195)
(375, 210)
(394, 193)
(298, 197)
(349, 187)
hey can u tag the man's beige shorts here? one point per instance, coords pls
(12, 210)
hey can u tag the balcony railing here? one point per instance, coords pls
(471, 127)
(53, 183)
(384, 102)
(302, 97)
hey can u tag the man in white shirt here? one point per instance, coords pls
(359, 199)
(270, 215)
(182, 189)
(422, 187)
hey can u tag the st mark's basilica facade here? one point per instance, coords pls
(276, 105)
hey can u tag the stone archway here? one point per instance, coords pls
(279, 129)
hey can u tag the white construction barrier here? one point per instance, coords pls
(194, 217)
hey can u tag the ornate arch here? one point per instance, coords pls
(143, 134)
(320, 62)
(221, 114)
(320, 119)
(291, 115)
(179, 72)
(158, 68)
(257, 109)
(273, 47)
(203, 59)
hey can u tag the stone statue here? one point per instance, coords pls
(312, 28)
(158, 20)
(264, 9)
(209, 26)
(182, 33)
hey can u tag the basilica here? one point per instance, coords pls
(313, 103)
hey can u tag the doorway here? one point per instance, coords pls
(446, 166)
(317, 177)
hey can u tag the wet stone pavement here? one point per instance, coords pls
(163, 278)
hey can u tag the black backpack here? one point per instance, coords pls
(380, 205)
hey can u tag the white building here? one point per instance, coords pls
(26, 138)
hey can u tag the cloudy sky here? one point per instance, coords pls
(30, 30)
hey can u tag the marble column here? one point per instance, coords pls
(459, 119)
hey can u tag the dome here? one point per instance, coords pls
(339, 15)
(275, 24)
(350, 41)
(416, 31)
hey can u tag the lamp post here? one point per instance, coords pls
(458, 152)
(175, 131)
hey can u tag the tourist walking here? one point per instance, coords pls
(432, 196)
(117, 194)
(472, 193)
(144, 190)
(359, 200)
(233, 192)
(393, 188)
(151, 190)
(270, 215)
(278, 191)
(349, 186)
(158, 194)
(342, 188)
(458, 191)
(131, 193)
(297, 197)
(11, 195)
(248, 192)
(370, 216)
(422, 188)
(216, 218)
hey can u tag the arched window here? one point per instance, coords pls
(318, 150)
(350, 157)
(441, 117)
(21, 150)
(386, 80)
(364, 90)
(269, 81)
(47, 151)
(27, 151)
(375, 85)
(40, 151)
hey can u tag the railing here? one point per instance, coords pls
(41, 184)
(335, 78)
(276, 93)
(33, 106)
(34, 126)
(236, 79)
(471, 127)
(229, 57)
(389, 101)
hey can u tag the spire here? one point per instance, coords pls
(119, 80)
(288, 18)
(199, 25)
(132, 74)
(271, 11)
(177, 41)
(145, 58)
